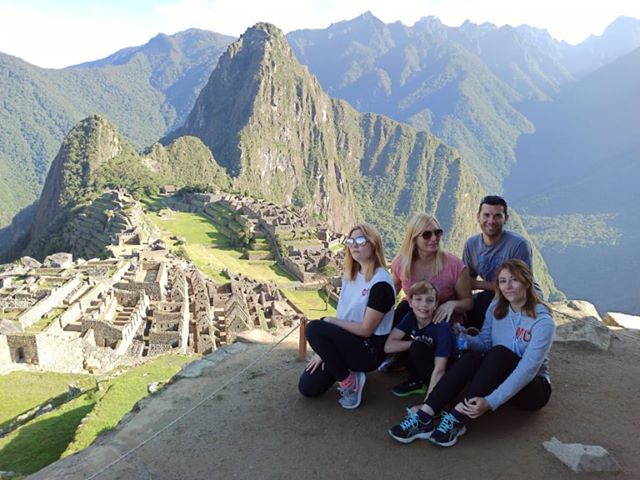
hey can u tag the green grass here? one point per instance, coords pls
(210, 251)
(45, 321)
(121, 394)
(311, 302)
(43, 440)
(196, 229)
(11, 314)
(336, 248)
(22, 391)
(60, 433)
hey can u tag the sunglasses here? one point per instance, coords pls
(359, 241)
(428, 233)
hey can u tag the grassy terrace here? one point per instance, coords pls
(45, 321)
(311, 302)
(60, 432)
(22, 391)
(210, 251)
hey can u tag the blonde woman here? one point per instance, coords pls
(421, 258)
(352, 343)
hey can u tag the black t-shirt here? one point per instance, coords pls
(381, 297)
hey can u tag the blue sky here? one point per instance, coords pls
(58, 33)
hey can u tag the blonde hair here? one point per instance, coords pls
(408, 252)
(523, 274)
(422, 288)
(352, 267)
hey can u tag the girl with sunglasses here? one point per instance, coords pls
(421, 258)
(352, 343)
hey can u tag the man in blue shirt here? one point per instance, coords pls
(483, 254)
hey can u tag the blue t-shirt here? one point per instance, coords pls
(483, 260)
(441, 334)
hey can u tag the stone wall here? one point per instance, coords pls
(105, 334)
(151, 289)
(164, 338)
(52, 357)
(5, 354)
(296, 270)
(23, 348)
(44, 306)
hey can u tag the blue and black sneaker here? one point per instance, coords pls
(448, 431)
(411, 428)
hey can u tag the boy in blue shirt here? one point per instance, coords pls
(428, 345)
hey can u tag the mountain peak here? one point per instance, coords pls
(91, 143)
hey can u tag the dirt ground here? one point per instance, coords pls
(260, 427)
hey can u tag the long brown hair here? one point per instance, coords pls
(523, 274)
(351, 267)
(408, 252)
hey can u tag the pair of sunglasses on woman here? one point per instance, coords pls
(360, 240)
(427, 234)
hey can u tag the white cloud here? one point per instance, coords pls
(65, 32)
(55, 39)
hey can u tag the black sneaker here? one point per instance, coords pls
(411, 428)
(447, 433)
(409, 388)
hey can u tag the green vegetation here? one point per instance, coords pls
(311, 302)
(60, 433)
(43, 440)
(147, 92)
(207, 248)
(22, 391)
(10, 315)
(45, 321)
(121, 394)
(575, 230)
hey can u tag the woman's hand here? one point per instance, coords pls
(474, 407)
(444, 312)
(314, 363)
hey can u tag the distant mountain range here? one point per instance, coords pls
(583, 162)
(482, 89)
(277, 134)
(146, 91)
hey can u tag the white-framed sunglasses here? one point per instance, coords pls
(359, 241)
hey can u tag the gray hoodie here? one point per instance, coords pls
(529, 338)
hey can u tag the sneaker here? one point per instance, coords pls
(351, 397)
(388, 363)
(392, 364)
(447, 433)
(411, 428)
(409, 388)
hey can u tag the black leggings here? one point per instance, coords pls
(484, 373)
(420, 361)
(481, 302)
(340, 351)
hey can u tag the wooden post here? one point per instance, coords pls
(302, 343)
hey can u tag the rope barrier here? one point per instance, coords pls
(197, 405)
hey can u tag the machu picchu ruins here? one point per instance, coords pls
(135, 298)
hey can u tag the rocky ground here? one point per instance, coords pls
(258, 426)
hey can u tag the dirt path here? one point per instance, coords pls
(259, 427)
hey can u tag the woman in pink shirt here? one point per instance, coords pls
(422, 259)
